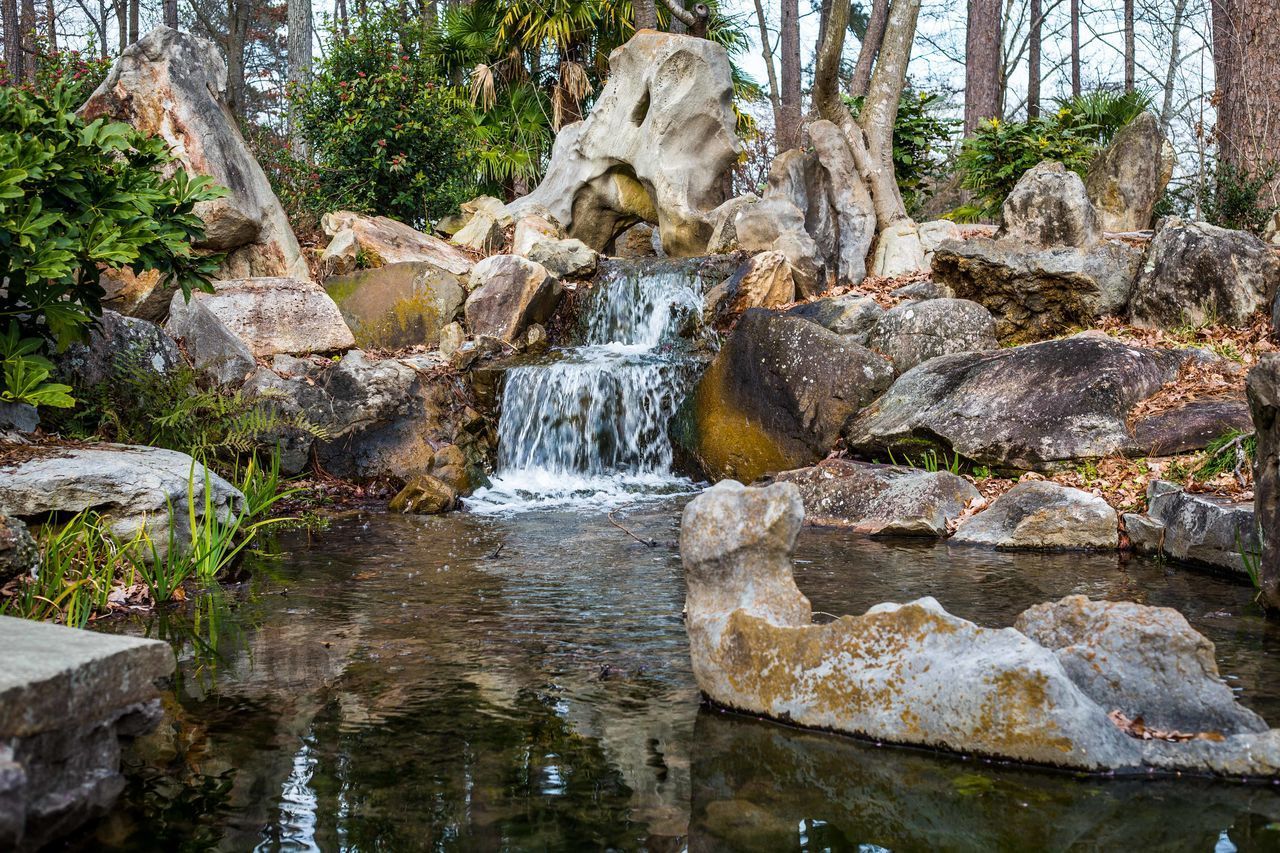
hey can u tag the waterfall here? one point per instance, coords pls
(590, 425)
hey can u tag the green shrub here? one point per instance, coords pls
(1234, 199)
(76, 198)
(920, 138)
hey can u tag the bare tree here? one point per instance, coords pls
(51, 25)
(1130, 48)
(775, 98)
(1175, 34)
(1033, 60)
(301, 35)
(1075, 47)
(28, 41)
(789, 129)
(1246, 60)
(134, 21)
(870, 48)
(171, 13)
(982, 70)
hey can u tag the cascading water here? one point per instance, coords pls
(590, 426)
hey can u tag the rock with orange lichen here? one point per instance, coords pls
(915, 674)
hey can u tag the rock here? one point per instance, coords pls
(451, 337)
(386, 241)
(915, 674)
(534, 226)
(398, 305)
(797, 179)
(852, 314)
(118, 346)
(1042, 515)
(1271, 231)
(1037, 293)
(535, 339)
(265, 316)
(776, 224)
(1263, 389)
(507, 294)
(1194, 528)
(922, 291)
(899, 251)
(638, 241)
(934, 233)
(19, 554)
(1027, 407)
(173, 85)
(132, 488)
(885, 500)
(146, 295)
(1191, 426)
(1196, 273)
(912, 334)
(485, 228)
(425, 495)
(18, 417)
(776, 396)
(854, 216)
(342, 254)
(1128, 178)
(762, 281)
(655, 147)
(1049, 208)
(68, 699)
(1145, 662)
(724, 228)
(565, 258)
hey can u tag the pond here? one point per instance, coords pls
(518, 682)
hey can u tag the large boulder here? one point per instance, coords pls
(880, 500)
(381, 240)
(1029, 407)
(132, 488)
(1049, 207)
(776, 396)
(850, 314)
(1263, 388)
(1040, 515)
(1196, 273)
(852, 211)
(118, 346)
(397, 305)
(173, 84)
(655, 147)
(1204, 529)
(487, 219)
(914, 332)
(1129, 176)
(915, 674)
(776, 224)
(569, 258)
(508, 294)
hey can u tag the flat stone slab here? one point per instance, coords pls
(1203, 529)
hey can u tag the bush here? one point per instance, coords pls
(1233, 198)
(920, 137)
(387, 137)
(76, 199)
(294, 181)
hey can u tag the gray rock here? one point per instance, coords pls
(564, 258)
(398, 305)
(19, 553)
(851, 314)
(775, 224)
(923, 290)
(724, 224)
(1196, 273)
(1043, 515)
(1128, 178)
(68, 698)
(765, 280)
(133, 488)
(1263, 389)
(1027, 407)
(384, 241)
(886, 500)
(487, 220)
(215, 350)
(534, 225)
(916, 332)
(1194, 528)
(1191, 426)
(118, 346)
(854, 215)
(18, 417)
(899, 251)
(507, 294)
(1049, 208)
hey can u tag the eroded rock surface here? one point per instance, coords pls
(1128, 178)
(382, 240)
(508, 294)
(913, 333)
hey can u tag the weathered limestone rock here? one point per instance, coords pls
(1271, 231)
(776, 396)
(342, 254)
(854, 216)
(1027, 407)
(565, 258)
(1043, 515)
(899, 251)
(1049, 207)
(724, 228)
(915, 674)
(256, 318)
(486, 223)
(397, 305)
(18, 551)
(1197, 273)
(885, 500)
(1195, 528)
(913, 333)
(1191, 426)
(654, 148)
(922, 291)
(507, 294)
(451, 337)
(118, 346)
(132, 488)
(933, 234)
(851, 314)
(386, 241)
(67, 700)
(762, 281)
(1126, 180)
(173, 85)
(639, 241)
(1263, 389)
(534, 226)
(425, 495)
(776, 224)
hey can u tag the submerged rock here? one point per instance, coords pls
(398, 305)
(887, 500)
(915, 674)
(1195, 528)
(425, 495)
(1039, 515)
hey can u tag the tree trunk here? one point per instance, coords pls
(1130, 51)
(237, 35)
(870, 48)
(134, 21)
(300, 45)
(51, 25)
(122, 25)
(28, 41)
(1075, 47)
(646, 14)
(1033, 60)
(171, 13)
(1175, 35)
(775, 99)
(982, 64)
(789, 129)
(12, 41)
(1246, 60)
(340, 11)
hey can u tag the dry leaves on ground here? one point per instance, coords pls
(1136, 728)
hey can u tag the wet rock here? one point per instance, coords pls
(916, 332)
(1043, 515)
(424, 495)
(1049, 207)
(507, 294)
(118, 346)
(385, 241)
(398, 305)
(19, 553)
(762, 281)
(1194, 528)
(776, 396)
(1027, 407)
(565, 258)
(851, 314)
(1125, 180)
(132, 488)
(638, 241)
(1263, 389)
(1196, 273)
(654, 148)
(1145, 662)
(886, 500)
(915, 674)
(173, 85)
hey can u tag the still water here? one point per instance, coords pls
(521, 682)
